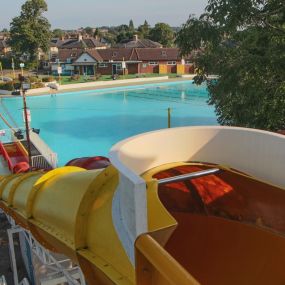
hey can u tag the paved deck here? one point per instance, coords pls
(3, 167)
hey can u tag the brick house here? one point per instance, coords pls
(137, 61)
(71, 49)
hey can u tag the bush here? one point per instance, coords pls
(97, 76)
(7, 86)
(48, 79)
(34, 79)
(37, 85)
(74, 77)
(11, 85)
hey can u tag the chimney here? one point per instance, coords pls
(135, 38)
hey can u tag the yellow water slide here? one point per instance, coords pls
(69, 210)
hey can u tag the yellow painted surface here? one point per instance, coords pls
(22, 193)
(71, 209)
(154, 265)
(180, 69)
(162, 69)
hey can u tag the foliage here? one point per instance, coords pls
(57, 33)
(30, 31)
(7, 62)
(163, 34)
(124, 33)
(144, 30)
(244, 43)
(7, 86)
(89, 31)
(131, 26)
(48, 79)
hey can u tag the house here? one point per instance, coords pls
(136, 61)
(4, 47)
(82, 43)
(138, 43)
(71, 49)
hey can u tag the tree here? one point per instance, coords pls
(131, 26)
(57, 33)
(163, 34)
(30, 31)
(243, 42)
(144, 30)
(89, 31)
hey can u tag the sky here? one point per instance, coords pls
(72, 14)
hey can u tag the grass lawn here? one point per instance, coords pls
(67, 79)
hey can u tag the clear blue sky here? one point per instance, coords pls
(71, 14)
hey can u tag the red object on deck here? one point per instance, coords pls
(21, 167)
(14, 156)
(89, 163)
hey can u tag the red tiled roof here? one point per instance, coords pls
(64, 54)
(115, 54)
(157, 54)
(95, 54)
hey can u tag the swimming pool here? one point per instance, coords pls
(88, 123)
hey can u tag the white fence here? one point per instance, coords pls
(44, 149)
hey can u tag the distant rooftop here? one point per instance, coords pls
(138, 43)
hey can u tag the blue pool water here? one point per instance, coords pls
(88, 123)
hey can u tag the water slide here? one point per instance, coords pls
(223, 228)
(89, 163)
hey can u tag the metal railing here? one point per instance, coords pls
(44, 149)
(39, 162)
(188, 176)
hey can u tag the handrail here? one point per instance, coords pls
(153, 262)
(188, 176)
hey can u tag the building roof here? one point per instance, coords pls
(116, 54)
(155, 54)
(56, 42)
(139, 43)
(95, 54)
(120, 54)
(82, 43)
(64, 54)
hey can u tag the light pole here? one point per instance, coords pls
(22, 65)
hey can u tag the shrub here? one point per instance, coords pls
(48, 79)
(33, 79)
(97, 76)
(7, 86)
(74, 77)
(37, 85)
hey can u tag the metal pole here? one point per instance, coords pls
(27, 128)
(188, 176)
(169, 117)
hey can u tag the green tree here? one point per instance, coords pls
(57, 33)
(163, 34)
(131, 26)
(243, 42)
(89, 31)
(30, 31)
(144, 30)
